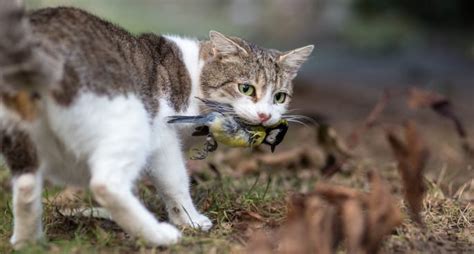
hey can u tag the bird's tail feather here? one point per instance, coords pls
(188, 119)
(25, 61)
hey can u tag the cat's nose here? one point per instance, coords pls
(264, 117)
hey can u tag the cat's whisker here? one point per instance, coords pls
(301, 118)
(298, 122)
(293, 110)
(304, 117)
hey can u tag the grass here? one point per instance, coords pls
(239, 206)
(225, 200)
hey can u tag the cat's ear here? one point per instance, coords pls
(225, 45)
(292, 60)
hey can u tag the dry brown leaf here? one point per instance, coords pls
(322, 232)
(305, 156)
(383, 214)
(353, 223)
(319, 221)
(336, 194)
(331, 167)
(419, 98)
(412, 156)
(310, 226)
(253, 215)
(260, 244)
(283, 159)
(337, 152)
(247, 166)
(365, 218)
(329, 139)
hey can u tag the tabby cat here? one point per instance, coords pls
(84, 103)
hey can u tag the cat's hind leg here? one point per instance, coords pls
(27, 209)
(21, 158)
(169, 175)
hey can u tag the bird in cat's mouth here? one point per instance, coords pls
(222, 125)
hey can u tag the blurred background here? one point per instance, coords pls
(358, 42)
(362, 48)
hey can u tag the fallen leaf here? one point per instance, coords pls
(383, 214)
(411, 156)
(353, 223)
(319, 221)
(336, 194)
(419, 98)
(247, 166)
(283, 159)
(337, 152)
(309, 228)
(259, 244)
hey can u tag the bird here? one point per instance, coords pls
(222, 125)
(275, 134)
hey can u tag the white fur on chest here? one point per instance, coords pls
(69, 136)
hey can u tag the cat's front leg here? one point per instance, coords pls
(169, 174)
(115, 163)
(27, 209)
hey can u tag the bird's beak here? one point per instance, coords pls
(272, 148)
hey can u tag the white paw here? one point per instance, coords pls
(18, 244)
(193, 220)
(201, 222)
(166, 234)
(28, 239)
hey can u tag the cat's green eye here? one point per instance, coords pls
(247, 89)
(280, 97)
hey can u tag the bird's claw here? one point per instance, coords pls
(209, 146)
(211, 143)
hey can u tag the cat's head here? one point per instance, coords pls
(256, 81)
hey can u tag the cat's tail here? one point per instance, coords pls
(26, 64)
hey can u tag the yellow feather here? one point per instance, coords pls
(241, 139)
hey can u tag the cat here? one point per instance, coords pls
(84, 103)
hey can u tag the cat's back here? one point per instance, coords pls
(98, 56)
(62, 24)
(103, 59)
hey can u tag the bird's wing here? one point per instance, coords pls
(217, 106)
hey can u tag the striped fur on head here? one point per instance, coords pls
(232, 61)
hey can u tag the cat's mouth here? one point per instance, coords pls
(248, 122)
(254, 122)
(229, 109)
